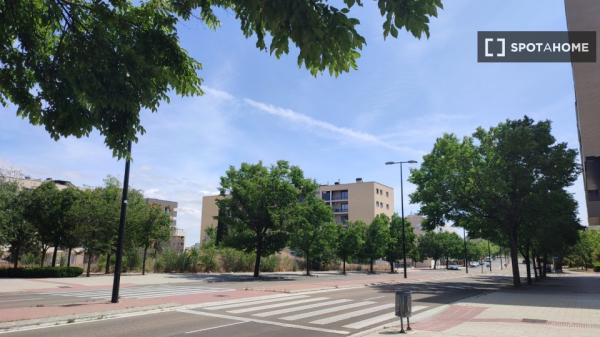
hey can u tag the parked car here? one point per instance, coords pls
(474, 264)
(453, 267)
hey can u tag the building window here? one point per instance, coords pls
(387, 206)
(376, 191)
(326, 195)
(387, 194)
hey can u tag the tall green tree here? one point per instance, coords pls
(15, 231)
(311, 227)
(48, 210)
(351, 239)
(452, 246)
(154, 227)
(431, 245)
(257, 206)
(75, 66)
(394, 248)
(485, 182)
(376, 239)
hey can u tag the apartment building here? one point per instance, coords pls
(359, 200)
(583, 15)
(350, 202)
(210, 211)
(177, 240)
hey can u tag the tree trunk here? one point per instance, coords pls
(54, 253)
(434, 264)
(89, 263)
(307, 263)
(257, 259)
(344, 266)
(144, 260)
(544, 262)
(69, 258)
(371, 266)
(392, 267)
(514, 257)
(527, 264)
(107, 267)
(16, 257)
(535, 267)
(501, 263)
(447, 262)
(43, 257)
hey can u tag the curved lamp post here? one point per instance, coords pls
(402, 206)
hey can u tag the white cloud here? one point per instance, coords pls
(312, 123)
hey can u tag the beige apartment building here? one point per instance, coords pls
(177, 240)
(584, 15)
(350, 202)
(210, 211)
(358, 200)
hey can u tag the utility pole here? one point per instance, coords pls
(117, 277)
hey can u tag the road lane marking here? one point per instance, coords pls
(248, 303)
(415, 318)
(216, 327)
(245, 319)
(277, 305)
(353, 314)
(300, 308)
(374, 298)
(326, 311)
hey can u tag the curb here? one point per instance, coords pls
(40, 323)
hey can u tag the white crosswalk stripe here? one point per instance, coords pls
(373, 320)
(352, 314)
(326, 311)
(140, 292)
(377, 319)
(300, 308)
(249, 303)
(277, 305)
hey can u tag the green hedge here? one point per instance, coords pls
(41, 272)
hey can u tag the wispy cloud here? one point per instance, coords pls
(313, 123)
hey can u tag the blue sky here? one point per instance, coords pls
(405, 93)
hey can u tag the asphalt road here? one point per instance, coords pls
(321, 313)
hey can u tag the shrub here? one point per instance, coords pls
(233, 260)
(39, 272)
(208, 259)
(269, 263)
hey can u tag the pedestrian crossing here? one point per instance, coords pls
(302, 310)
(140, 292)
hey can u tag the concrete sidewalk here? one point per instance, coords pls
(563, 305)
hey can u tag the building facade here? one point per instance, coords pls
(350, 202)
(210, 211)
(358, 200)
(177, 240)
(583, 15)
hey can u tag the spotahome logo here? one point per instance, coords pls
(536, 46)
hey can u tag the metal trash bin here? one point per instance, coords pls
(403, 308)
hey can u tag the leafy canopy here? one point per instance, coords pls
(75, 66)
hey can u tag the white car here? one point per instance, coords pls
(453, 267)
(474, 264)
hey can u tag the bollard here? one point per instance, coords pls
(403, 308)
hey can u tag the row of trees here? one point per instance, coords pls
(265, 209)
(506, 184)
(35, 220)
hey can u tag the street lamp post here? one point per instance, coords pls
(119, 255)
(402, 207)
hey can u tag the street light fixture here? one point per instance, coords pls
(402, 206)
